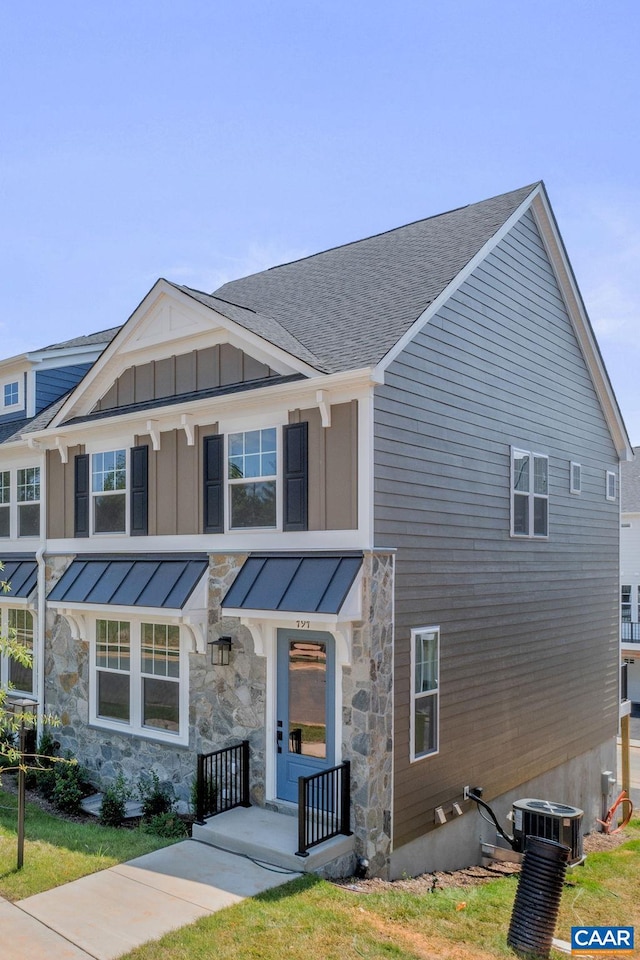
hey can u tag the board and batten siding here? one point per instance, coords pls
(333, 467)
(218, 366)
(60, 493)
(529, 628)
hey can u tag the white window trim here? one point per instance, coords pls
(135, 726)
(575, 488)
(432, 693)
(98, 493)
(611, 478)
(18, 604)
(531, 496)
(19, 404)
(13, 501)
(278, 477)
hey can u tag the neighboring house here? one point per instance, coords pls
(630, 573)
(384, 472)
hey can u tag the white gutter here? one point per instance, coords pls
(42, 606)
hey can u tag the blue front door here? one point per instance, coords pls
(305, 727)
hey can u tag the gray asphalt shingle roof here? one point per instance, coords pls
(350, 305)
(88, 340)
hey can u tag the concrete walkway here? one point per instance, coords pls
(109, 913)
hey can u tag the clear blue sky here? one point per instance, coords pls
(204, 139)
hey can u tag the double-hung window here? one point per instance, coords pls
(17, 624)
(425, 662)
(139, 678)
(625, 602)
(11, 396)
(28, 487)
(5, 503)
(611, 485)
(529, 494)
(109, 491)
(252, 467)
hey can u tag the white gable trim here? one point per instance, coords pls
(548, 229)
(545, 221)
(454, 284)
(208, 329)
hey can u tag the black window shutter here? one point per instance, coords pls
(213, 459)
(81, 495)
(139, 491)
(296, 477)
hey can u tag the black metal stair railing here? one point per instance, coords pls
(324, 805)
(222, 780)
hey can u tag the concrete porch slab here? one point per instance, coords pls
(269, 837)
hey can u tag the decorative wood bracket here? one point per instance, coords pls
(154, 432)
(196, 624)
(186, 422)
(324, 406)
(78, 624)
(63, 449)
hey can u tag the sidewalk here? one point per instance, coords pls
(106, 914)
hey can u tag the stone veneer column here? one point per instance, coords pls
(368, 714)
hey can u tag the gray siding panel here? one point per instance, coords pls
(528, 628)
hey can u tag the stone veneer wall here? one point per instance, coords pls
(368, 715)
(226, 704)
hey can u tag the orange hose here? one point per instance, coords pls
(606, 823)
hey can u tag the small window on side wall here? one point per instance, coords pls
(425, 662)
(529, 494)
(576, 478)
(611, 485)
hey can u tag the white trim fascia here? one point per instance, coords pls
(338, 387)
(237, 541)
(162, 614)
(278, 357)
(554, 246)
(50, 359)
(454, 284)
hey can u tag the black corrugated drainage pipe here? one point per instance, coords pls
(537, 902)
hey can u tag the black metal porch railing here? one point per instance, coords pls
(324, 804)
(630, 632)
(222, 780)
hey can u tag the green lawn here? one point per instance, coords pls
(308, 918)
(58, 850)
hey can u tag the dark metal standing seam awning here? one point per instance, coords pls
(21, 573)
(301, 583)
(131, 581)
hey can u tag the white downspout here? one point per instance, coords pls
(42, 606)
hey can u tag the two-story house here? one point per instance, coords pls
(380, 477)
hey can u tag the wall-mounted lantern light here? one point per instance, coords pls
(219, 650)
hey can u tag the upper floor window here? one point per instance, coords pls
(20, 502)
(252, 478)
(625, 602)
(11, 394)
(109, 491)
(28, 486)
(17, 623)
(529, 494)
(611, 485)
(138, 674)
(576, 478)
(425, 659)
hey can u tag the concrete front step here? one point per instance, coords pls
(270, 837)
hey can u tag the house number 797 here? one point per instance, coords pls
(303, 624)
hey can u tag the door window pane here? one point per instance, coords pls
(308, 699)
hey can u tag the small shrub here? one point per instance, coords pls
(156, 798)
(69, 788)
(114, 802)
(46, 782)
(167, 825)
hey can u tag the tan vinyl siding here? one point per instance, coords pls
(333, 467)
(528, 628)
(206, 369)
(60, 494)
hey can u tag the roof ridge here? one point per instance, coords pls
(382, 233)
